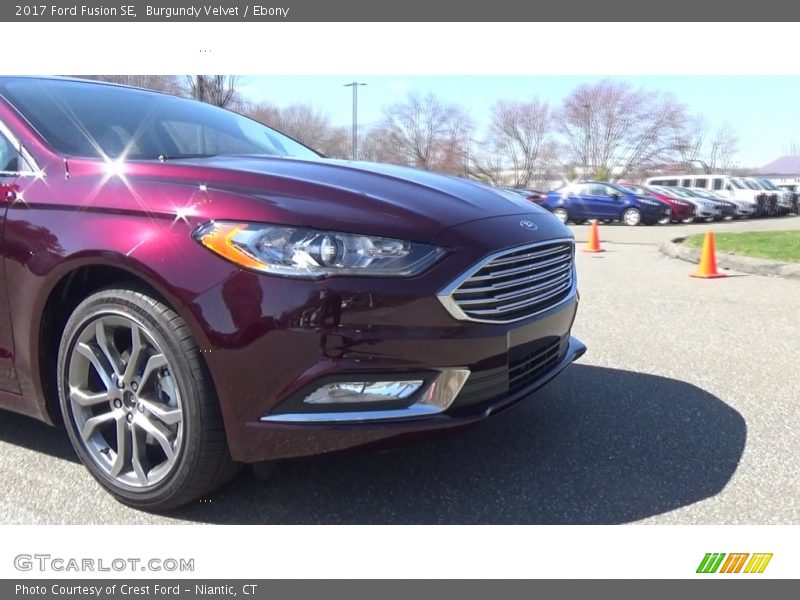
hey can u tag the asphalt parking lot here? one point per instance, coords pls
(684, 410)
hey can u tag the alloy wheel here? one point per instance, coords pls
(124, 401)
(632, 217)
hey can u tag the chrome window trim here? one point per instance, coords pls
(446, 295)
(33, 169)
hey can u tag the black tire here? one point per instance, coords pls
(201, 460)
(579, 221)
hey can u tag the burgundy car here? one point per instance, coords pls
(682, 211)
(187, 290)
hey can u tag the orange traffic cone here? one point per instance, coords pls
(707, 269)
(594, 239)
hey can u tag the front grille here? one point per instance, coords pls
(523, 368)
(515, 284)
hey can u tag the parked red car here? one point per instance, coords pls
(681, 210)
(188, 290)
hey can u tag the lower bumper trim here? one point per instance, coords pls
(436, 398)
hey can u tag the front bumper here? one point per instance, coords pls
(707, 213)
(267, 440)
(680, 213)
(267, 356)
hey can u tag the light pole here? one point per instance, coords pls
(354, 85)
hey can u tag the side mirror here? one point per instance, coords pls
(616, 195)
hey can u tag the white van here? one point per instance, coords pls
(724, 185)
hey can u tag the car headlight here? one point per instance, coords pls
(650, 202)
(314, 254)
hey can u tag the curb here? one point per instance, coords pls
(756, 266)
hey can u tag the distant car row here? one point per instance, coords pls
(765, 197)
(676, 199)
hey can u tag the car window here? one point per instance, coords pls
(568, 189)
(701, 183)
(578, 189)
(106, 121)
(718, 183)
(9, 157)
(11, 160)
(686, 183)
(596, 189)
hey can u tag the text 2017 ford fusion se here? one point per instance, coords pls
(188, 290)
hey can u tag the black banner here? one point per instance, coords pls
(408, 10)
(264, 589)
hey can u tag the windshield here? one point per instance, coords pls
(752, 184)
(103, 121)
(663, 190)
(766, 183)
(737, 183)
(637, 189)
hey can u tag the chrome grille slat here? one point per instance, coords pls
(565, 278)
(514, 284)
(499, 310)
(522, 269)
(501, 285)
(528, 255)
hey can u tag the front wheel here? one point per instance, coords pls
(138, 403)
(561, 214)
(632, 216)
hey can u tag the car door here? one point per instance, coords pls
(575, 201)
(606, 202)
(11, 163)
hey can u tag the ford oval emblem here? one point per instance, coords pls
(528, 225)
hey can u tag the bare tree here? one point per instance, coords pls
(306, 124)
(517, 132)
(376, 146)
(159, 83)
(219, 90)
(611, 129)
(697, 145)
(428, 133)
(793, 149)
(690, 142)
(723, 149)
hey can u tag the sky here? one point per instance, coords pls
(764, 110)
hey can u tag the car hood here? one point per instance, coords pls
(351, 196)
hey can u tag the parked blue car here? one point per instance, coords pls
(579, 202)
